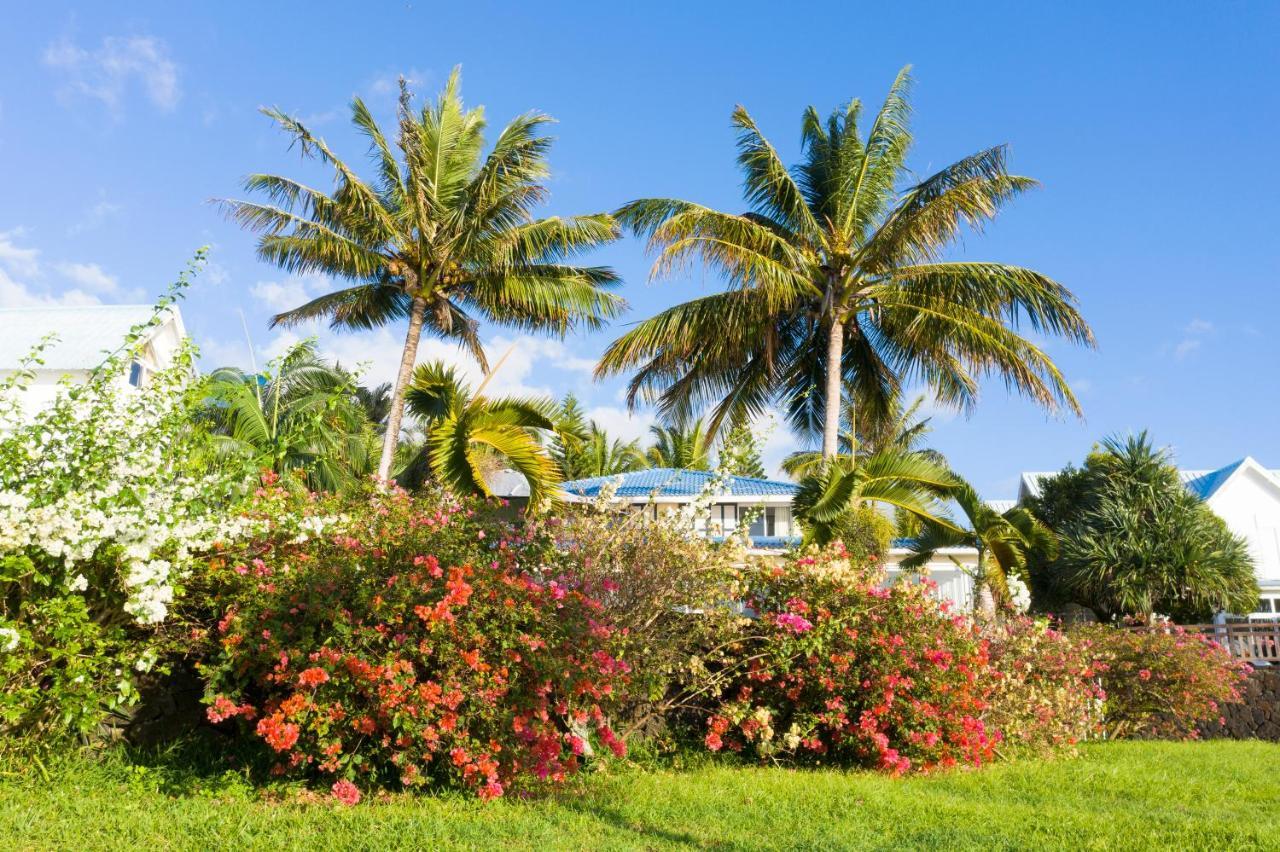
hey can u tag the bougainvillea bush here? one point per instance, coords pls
(841, 669)
(1046, 694)
(417, 641)
(1161, 681)
(104, 510)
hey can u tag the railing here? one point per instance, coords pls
(1258, 642)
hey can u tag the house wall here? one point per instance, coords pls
(42, 391)
(1250, 505)
(156, 354)
(954, 583)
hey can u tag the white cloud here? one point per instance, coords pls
(1081, 386)
(90, 276)
(95, 216)
(19, 261)
(15, 294)
(290, 293)
(620, 423)
(1199, 326)
(215, 273)
(1185, 348)
(107, 72)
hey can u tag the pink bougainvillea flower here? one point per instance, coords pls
(795, 623)
(346, 792)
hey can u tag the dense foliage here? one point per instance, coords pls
(301, 414)
(470, 436)
(1134, 541)
(412, 642)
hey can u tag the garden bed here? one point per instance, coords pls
(1118, 795)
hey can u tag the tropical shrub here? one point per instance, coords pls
(103, 511)
(839, 668)
(1045, 694)
(1161, 681)
(1134, 541)
(300, 416)
(415, 642)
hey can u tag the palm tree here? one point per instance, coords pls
(902, 429)
(298, 416)
(836, 279)
(376, 402)
(1002, 540)
(910, 482)
(442, 235)
(468, 435)
(682, 445)
(606, 456)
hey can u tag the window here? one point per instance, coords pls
(765, 522)
(135, 374)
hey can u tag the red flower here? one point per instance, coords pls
(313, 676)
(346, 792)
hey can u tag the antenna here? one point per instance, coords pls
(253, 361)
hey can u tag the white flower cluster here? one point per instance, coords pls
(1019, 594)
(96, 479)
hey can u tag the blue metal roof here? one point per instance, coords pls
(677, 482)
(1203, 484)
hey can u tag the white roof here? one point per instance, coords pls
(86, 333)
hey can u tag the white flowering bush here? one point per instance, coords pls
(104, 503)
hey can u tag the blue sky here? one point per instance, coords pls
(1153, 126)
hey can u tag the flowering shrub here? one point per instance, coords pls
(102, 512)
(415, 641)
(1045, 694)
(840, 669)
(1161, 681)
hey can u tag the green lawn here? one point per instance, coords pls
(1119, 795)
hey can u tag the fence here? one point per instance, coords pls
(1258, 642)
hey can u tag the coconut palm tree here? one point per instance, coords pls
(1002, 540)
(468, 435)
(300, 415)
(909, 482)
(683, 445)
(442, 236)
(836, 279)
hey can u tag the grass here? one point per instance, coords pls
(1125, 795)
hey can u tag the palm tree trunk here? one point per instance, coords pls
(417, 311)
(831, 420)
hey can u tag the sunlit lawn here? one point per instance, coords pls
(1120, 795)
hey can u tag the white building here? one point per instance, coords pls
(86, 335)
(1246, 496)
(765, 506)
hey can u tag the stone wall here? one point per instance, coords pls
(1257, 716)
